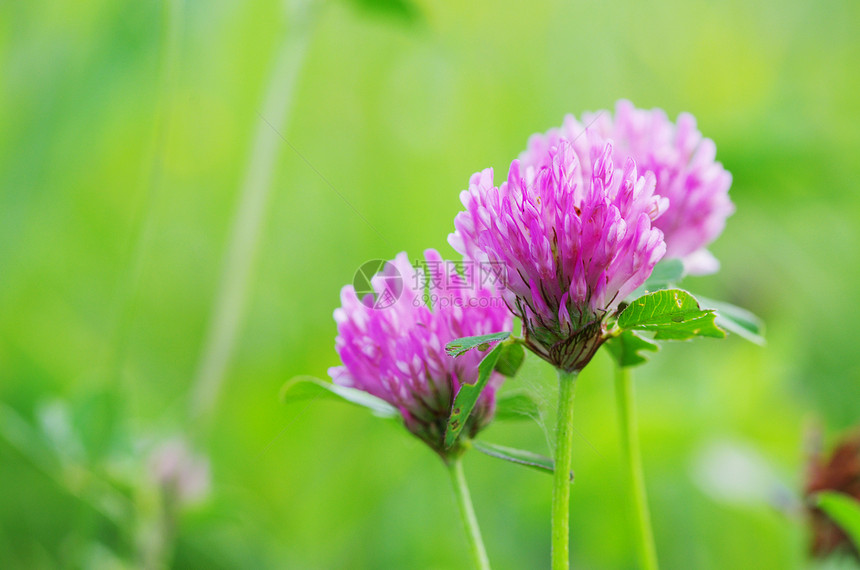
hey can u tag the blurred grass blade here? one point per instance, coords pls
(143, 224)
(244, 239)
(518, 456)
(844, 511)
(736, 320)
(468, 394)
(310, 388)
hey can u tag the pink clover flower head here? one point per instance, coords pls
(573, 236)
(684, 166)
(397, 353)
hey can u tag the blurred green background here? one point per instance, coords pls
(131, 132)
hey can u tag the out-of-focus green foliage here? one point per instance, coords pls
(126, 129)
(628, 348)
(844, 510)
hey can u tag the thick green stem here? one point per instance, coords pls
(633, 458)
(561, 475)
(470, 522)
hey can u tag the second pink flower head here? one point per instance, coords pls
(571, 236)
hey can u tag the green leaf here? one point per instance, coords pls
(518, 456)
(672, 314)
(626, 348)
(844, 510)
(516, 406)
(467, 396)
(463, 345)
(310, 388)
(736, 320)
(511, 359)
(665, 274)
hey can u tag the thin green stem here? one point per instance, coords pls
(561, 475)
(635, 478)
(470, 522)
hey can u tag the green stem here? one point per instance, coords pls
(561, 474)
(635, 478)
(470, 522)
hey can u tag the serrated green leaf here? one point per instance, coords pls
(667, 273)
(467, 396)
(672, 314)
(736, 320)
(626, 348)
(463, 345)
(518, 456)
(844, 510)
(516, 406)
(310, 388)
(511, 359)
